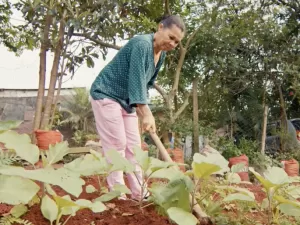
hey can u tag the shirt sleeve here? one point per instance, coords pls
(137, 82)
(153, 78)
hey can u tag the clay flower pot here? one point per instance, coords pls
(244, 175)
(47, 137)
(291, 167)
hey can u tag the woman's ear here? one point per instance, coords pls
(160, 27)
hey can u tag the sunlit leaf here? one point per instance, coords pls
(49, 208)
(181, 217)
(9, 124)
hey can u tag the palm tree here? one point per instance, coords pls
(77, 111)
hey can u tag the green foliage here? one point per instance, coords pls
(80, 137)
(9, 124)
(77, 111)
(8, 158)
(248, 147)
(181, 217)
(16, 190)
(273, 180)
(10, 220)
(53, 210)
(21, 144)
(172, 198)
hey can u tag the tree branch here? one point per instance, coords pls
(98, 41)
(191, 37)
(162, 92)
(182, 107)
(167, 8)
(177, 73)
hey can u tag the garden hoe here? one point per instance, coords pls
(202, 216)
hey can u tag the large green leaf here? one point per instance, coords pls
(122, 188)
(289, 210)
(66, 206)
(271, 176)
(204, 166)
(293, 191)
(9, 124)
(57, 152)
(276, 175)
(281, 199)
(174, 194)
(181, 217)
(16, 190)
(212, 156)
(96, 206)
(21, 143)
(238, 197)
(68, 180)
(89, 165)
(156, 164)
(167, 173)
(142, 158)
(109, 196)
(119, 163)
(204, 170)
(18, 210)
(243, 191)
(49, 208)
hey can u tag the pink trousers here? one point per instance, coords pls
(119, 130)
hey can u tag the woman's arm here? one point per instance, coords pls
(137, 82)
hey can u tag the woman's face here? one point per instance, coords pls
(168, 38)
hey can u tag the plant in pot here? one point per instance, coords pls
(49, 135)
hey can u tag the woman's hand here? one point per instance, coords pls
(148, 121)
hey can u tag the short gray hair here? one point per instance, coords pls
(170, 20)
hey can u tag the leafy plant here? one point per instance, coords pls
(80, 137)
(8, 158)
(95, 164)
(13, 216)
(173, 197)
(53, 210)
(10, 220)
(18, 182)
(273, 180)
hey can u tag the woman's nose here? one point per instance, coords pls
(173, 44)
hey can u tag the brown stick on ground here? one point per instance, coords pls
(202, 216)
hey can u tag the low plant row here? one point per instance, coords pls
(209, 175)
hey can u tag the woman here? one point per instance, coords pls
(120, 90)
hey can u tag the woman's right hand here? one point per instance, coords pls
(148, 121)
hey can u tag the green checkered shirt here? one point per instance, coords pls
(130, 74)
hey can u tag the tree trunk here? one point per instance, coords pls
(62, 73)
(264, 124)
(195, 116)
(264, 130)
(42, 74)
(53, 78)
(283, 119)
(56, 100)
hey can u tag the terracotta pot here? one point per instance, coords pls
(291, 167)
(241, 159)
(47, 137)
